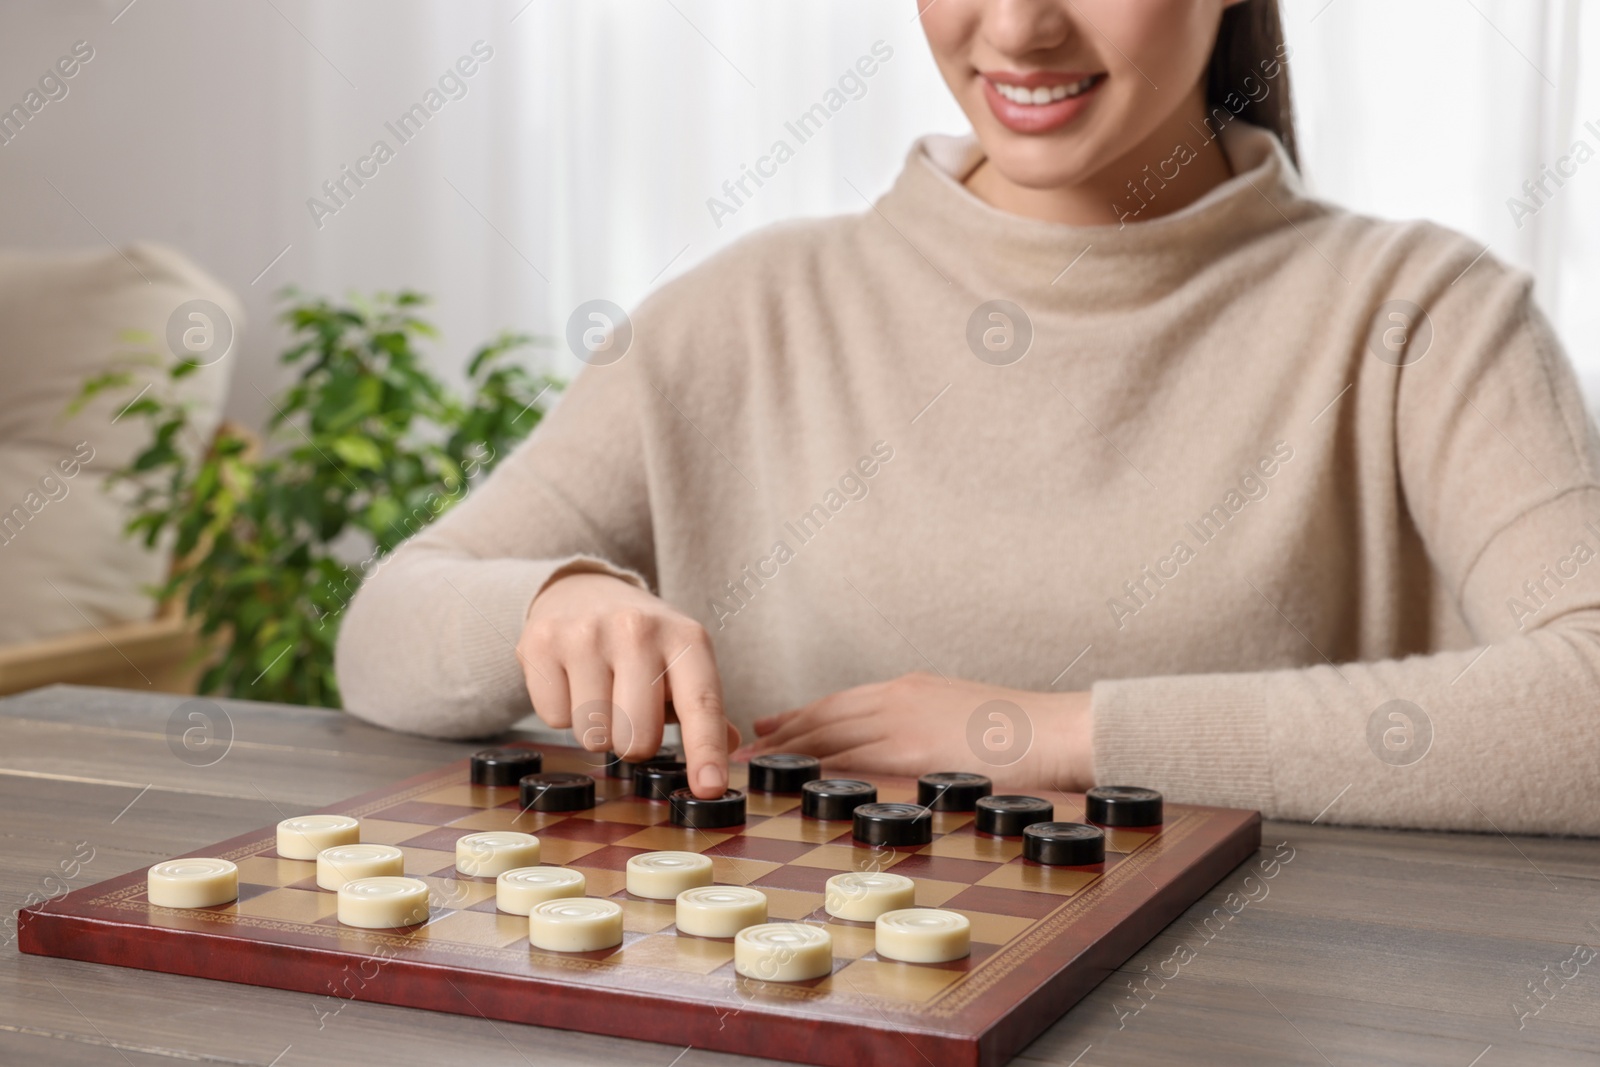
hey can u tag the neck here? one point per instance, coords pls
(1176, 165)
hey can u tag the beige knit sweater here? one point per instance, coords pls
(1200, 487)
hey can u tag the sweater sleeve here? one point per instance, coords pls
(1497, 465)
(428, 643)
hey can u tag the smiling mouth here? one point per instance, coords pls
(1039, 95)
(1039, 102)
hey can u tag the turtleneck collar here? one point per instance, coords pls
(1052, 264)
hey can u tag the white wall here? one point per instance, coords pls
(577, 164)
(579, 161)
(175, 130)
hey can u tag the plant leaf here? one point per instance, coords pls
(358, 452)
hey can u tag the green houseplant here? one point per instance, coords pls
(364, 448)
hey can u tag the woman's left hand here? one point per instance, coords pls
(922, 722)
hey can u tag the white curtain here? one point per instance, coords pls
(581, 162)
(1443, 109)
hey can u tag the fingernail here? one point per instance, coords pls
(713, 779)
(741, 753)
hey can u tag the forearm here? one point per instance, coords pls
(1498, 739)
(428, 645)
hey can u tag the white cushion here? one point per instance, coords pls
(65, 563)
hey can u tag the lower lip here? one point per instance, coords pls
(1037, 118)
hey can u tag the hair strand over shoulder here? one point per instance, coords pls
(1251, 52)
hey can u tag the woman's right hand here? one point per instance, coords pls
(614, 663)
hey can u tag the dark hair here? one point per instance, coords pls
(1250, 46)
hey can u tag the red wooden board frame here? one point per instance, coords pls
(982, 1017)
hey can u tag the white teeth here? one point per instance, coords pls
(1033, 97)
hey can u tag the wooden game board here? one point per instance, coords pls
(1042, 936)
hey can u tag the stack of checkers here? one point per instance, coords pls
(374, 890)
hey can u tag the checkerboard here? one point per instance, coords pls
(1041, 936)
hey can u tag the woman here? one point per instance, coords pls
(1095, 451)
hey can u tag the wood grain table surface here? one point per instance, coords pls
(1333, 946)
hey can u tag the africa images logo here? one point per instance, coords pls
(1399, 733)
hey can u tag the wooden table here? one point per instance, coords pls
(1355, 947)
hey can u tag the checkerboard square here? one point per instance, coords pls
(589, 830)
(603, 883)
(760, 848)
(989, 929)
(1011, 902)
(290, 905)
(911, 983)
(729, 870)
(1067, 808)
(932, 893)
(386, 832)
(612, 858)
(784, 906)
(421, 861)
(607, 789)
(561, 852)
(513, 818)
(248, 890)
(439, 839)
(457, 893)
(489, 929)
(792, 905)
(769, 803)
(669, 838)
(944, 868)
(848, 857)
(851, 941)
(1035, 878)
(1124, 840)
(948, 822)
(674, 952)
(975, 846)
(272, 871)
(647, 916)
(469, 796)
(632, 810)
(425, 813)
(813, 880)
(794, 828)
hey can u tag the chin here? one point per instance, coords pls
(1068, 156)
(1039, 162)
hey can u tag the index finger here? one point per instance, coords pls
(697, 699)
